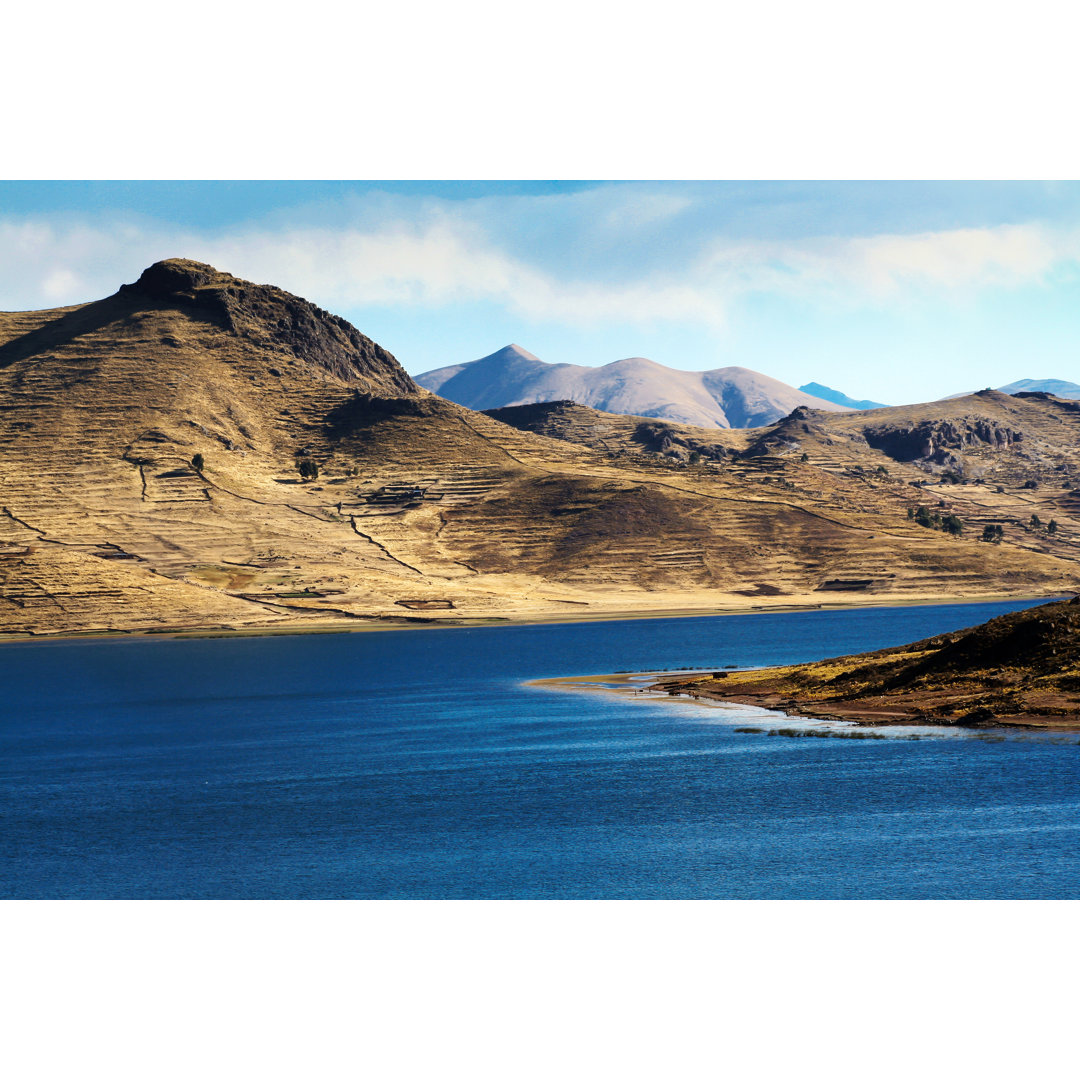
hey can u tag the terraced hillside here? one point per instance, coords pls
(197, 451)
(990, 460)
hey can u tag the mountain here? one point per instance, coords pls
(731, 397)
(1058, 387)
(201, 453)
(815, 389)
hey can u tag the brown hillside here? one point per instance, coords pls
(150, 454)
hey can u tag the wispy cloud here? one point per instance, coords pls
(428, 256)
(403, 265)
(879, 267)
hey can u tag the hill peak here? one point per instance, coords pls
(271, 319)
(171, 276)
(513, 351)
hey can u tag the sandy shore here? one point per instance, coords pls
(360, 624)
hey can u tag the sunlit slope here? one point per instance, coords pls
(151, 448)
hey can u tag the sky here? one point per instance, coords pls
(893, 291)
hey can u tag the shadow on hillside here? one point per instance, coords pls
(88, 319)
(363, 411)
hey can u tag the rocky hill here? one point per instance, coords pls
(1020, 669)
(730, 397)
(202, 452)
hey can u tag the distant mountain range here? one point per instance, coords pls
(1057, 387)
(729, 397)
(828, 394)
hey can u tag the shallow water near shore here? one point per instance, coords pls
(419, 764)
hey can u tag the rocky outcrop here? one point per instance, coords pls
(659, 438)
(273, 319)
(936, 440)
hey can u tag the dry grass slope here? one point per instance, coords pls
(150, 453)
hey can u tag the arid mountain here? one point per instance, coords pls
(826, 393)
(200, 452)
(1020, 669)
(731, 397)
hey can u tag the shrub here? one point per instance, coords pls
(309, 470)
(197, 463)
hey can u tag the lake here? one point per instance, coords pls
(417, 764)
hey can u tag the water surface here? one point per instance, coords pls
(417, 764)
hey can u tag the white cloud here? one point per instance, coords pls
(61, 283)
(446, 259)
(879, 267)
(401, 265)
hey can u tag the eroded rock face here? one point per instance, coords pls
(933, 440)
(271, 317)
(660, 439)
(171, 276)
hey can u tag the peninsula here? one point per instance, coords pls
(1021, 669)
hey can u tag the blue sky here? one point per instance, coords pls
(895, 291)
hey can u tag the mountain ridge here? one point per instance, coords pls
(201, 453)
(827, 393)
(723, 397)
(1058, 387)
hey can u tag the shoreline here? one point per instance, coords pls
(620, 683)
(393, 623)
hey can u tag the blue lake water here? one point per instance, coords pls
(416, 764)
